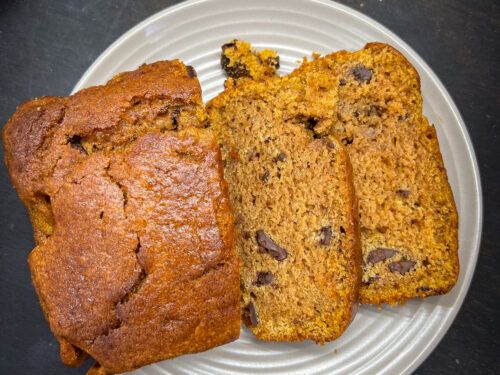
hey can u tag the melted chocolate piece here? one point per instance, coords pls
(402, 266)
(361, 73)
(270, 246)
(326, 236)
(263, 278)
(380, 254)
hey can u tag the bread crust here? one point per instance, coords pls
(135, 261)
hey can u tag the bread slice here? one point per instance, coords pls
(408, 219)
(409, 223)
(134, 260)
(295, 211)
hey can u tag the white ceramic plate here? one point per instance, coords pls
(394, 340)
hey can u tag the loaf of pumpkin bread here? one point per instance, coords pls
(134, 259)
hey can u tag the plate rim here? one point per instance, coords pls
(408, 51)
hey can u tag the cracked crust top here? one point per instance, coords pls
(134, 260)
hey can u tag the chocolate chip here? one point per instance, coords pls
(322, 88)
(326, 236)
(402, 266)
(423, 289)
(342, 230)
(403, 193)
(380, 254)
(265, 176)
(191, 71)
(281, 157)
(330, 145)
(342, 82)
(361, 73)
(295, 321)
(311, 123)
(75, 142)
(268, 139)
(253, 314)
(175, 118)
(404, 117)
(246, 236)
(270, 246)
(263, 278)
(274, 62)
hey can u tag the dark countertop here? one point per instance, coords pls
(46, 46)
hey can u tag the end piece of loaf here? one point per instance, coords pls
(134, 260)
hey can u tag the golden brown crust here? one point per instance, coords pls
(134, 260)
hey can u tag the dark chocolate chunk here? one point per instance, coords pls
(380, 254)
(263, 278)
(342, 230)
(402, 266)
(361, 73)
(76, 143)
(403, 193)
(191, 71)
(265, 176)
(326, 236)
(311, 123)
(342, 82)
(331, 145)
(270, 246)
(274, 62)
(175, 118)
(281, 157)
(253, 314)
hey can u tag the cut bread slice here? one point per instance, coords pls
(292, 195)
(409, 223)
(408, 219)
